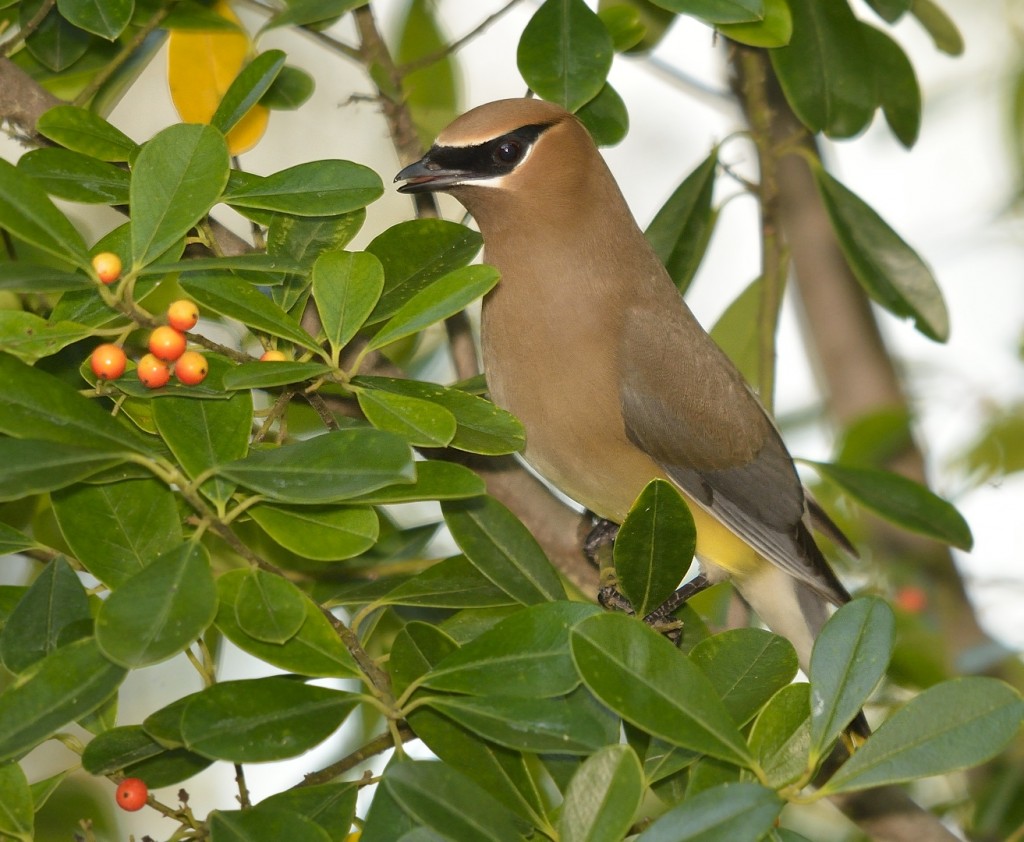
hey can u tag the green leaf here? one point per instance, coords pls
(716, 11)
(648, 682)
(431, 91)
(332, 806)
(443, 298)
(346, 287)
(264, 824)
(315, 188)
(129, 749)
(729, 811)
(248, 89)
(55, 43)
(76, 177)
(262, 719)
(654, 547)
(732, 332)
(901, 501)
(35, 467)
(321, 533)
(303, 239)
(30, 338)
(160, 610)
(116, 529)
(849, 659)
(418, 647)
(55, 601)
(605, 117)
(525, 655)
(291, 90)
(435, 480)
(27, 212)
(178, 176)
(503, 550)
(624, 23)
(17, 817)
(890, 271)
(451, 583)
(825, 71)
(325, 469)
(203, 434)
(42, 789)
(420, 422)
(37, 405)
(951, 726)
(746, 667)
(13, 541)
(315, 651)
(898, 91)
(680, 231)
(781, 736)
(603, 797)
(417, 252)
(890, 10)
(774, 30)
(939, 26)
(232, 297)
(67, 684)
(269, 608)
(82, 130)
(267, 265)
(565, 53)
(17, 276)
(106, 18)
(438, 797)
(306, 12)
(483, 427)
(270, 373)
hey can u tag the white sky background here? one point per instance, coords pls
(946, 197)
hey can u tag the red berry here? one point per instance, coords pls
(911, 599)
(191, 368)
(153, 372)
(131, 794)
(167, 343)
(107, 266)
(183, 315)
(273, 356)
(108, 361)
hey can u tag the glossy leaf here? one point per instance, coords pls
(326, 469)
(247, 89)
(902, 501)
(27, 212)
(825, 71)
(733, 334)
(315, 188)
(939, 26)
(118, 528)
(305, 12)
(849, 658)
(160, 610)
(951, 726)
(890, 271)
(321, 533)
(624, 23)
(729, 811)
(76, 177)
(30, 337)
(417, 252)
(443, 298)
(346, 287)
(35, 467)
(565, 53)
(603, 797)
(269, 608)
(106, 18)
(332, 806)
(418, 647)
(17, 817)
(716, 11)
(451, 583)
(176, 179)
(605, 117)
(20, 277)
(304, 239)
(432, 89)
(82, 130)
(654, 547)
(774, 30)
(435, 480)
(315, 651)
(420, 422)
(525, 655)
(648, 682)
(270, 373)
(898, 91)
(232, 297)
(129, 749)
(54, 42)
(680, 231)
(67, 684)
(264, 824)
(13, 541)
(503, 550)
(262, 719)
(291, 90)
(53, 602)
(781, 736)
(746, 667)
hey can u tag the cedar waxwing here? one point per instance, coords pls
(587, 340)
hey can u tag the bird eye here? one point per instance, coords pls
(508, 152)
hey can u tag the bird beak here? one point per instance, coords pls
(426, 175)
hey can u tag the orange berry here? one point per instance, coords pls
(274, 356)
(191, 368)
(167, 343)
(107, 266)
(153, 372)
(183, 315)
(911, 599)
(108, 361)
(131, 794)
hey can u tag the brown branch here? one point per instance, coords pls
(350, 761)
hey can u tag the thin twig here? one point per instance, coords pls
(30, 27)
(360, 755)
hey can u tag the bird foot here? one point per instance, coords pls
(601, 535)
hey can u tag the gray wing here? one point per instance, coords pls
(685, 404)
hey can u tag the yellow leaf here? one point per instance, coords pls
(201, 65)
